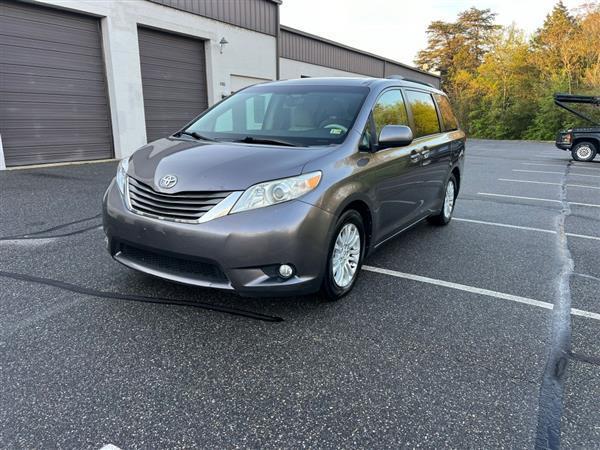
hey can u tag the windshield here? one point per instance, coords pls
(289, 115)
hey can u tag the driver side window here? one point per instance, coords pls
(390, 110)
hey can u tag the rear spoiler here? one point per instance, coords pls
(561, 99)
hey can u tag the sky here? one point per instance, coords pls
(395, 28)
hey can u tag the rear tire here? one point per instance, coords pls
(445, 215)
(339, 279)
(584, 151)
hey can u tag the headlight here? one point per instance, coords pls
(277, 191)
(122, 174)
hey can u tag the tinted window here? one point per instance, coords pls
(389, 110)
(302, 115)
(448, 118)
(424, 113)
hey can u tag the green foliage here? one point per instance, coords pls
(394, 113)
(501, 84)
(425, 117)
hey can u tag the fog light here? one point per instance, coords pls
(286, 271)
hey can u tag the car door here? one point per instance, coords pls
(432, 145)
(450, 127)
(393, 170)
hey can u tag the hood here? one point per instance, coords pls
(217, 166)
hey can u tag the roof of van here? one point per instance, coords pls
(355, 81)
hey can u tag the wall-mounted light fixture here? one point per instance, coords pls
(222, 43)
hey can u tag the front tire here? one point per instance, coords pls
(450, 193)
(584, 151)
(345, 256)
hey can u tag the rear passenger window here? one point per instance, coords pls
(389, 110)
(424, 113)
(448, 118)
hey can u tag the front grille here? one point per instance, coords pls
(182, 206)
(172, 265)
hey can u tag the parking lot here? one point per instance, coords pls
(484, 333)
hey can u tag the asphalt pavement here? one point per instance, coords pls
(481, 334)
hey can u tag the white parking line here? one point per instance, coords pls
(560, 165)
(583, 186)
(489, 194)
(519, 227)
(559, 173)
(505, 225)
(476, 290)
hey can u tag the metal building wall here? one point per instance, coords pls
(301, 46)
(256, 15)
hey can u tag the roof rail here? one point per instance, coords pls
(400, 77)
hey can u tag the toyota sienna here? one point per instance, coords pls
(284, 187)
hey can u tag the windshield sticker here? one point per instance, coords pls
(335, 131)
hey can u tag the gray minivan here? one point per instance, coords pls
(285, 187)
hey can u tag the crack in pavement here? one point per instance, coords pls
(57, 227)
(54, 236)
(585, 358)
(139, 298)
(552, 387)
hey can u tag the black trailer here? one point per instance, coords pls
(582, 142)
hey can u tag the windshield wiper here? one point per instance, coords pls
(195, 135)
(258, 140)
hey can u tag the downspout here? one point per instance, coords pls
(277, 43)
(2, 163)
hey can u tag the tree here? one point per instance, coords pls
(458, 44)
(557, 47)
(501, 84)
(456, 49)
(505, 83)
(443, 43)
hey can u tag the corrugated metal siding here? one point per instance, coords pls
(314, 50)
(397, 69)
(173, 80)
(256, 15)
(53, 101)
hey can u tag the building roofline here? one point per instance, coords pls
(353, 49)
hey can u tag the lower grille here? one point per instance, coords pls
(170, 265)
(180, 207)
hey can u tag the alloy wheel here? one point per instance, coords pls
(449, 200)
(346, 255)
(584, 152)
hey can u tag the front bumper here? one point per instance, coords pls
(564, 140)
(236, 252)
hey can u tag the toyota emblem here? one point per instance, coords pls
(168, 181)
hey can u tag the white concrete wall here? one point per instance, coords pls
(290, 68)
(248, 54)
(238, 82)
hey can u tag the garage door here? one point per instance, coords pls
(173, 79)
(53, 102)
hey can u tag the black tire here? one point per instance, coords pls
(442, 218)
(584, 151)
(329, 288)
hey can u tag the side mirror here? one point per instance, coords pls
(395, 136)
